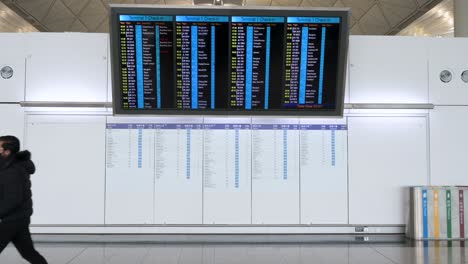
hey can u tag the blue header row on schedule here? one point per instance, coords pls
(202, 19)
(227, 126)
(236, 19)
(314, 20)
(249, 19)
(146, 18)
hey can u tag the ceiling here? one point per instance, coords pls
(368, 17)
(12, 22)
(437, 22)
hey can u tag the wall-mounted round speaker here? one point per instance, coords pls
(464, 76)
(6, 72)
(445, 76)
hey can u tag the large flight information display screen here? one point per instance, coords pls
(228, 61)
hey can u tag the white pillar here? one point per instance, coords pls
(460, 8)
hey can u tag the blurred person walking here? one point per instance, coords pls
(16, 207)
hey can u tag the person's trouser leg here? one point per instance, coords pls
(23, 242)
(6, 234)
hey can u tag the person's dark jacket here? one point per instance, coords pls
(15, 187)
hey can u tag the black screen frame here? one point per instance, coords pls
(117, 10)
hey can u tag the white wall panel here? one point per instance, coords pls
(386, 155)
(12, 54)
(68, 187)
(12, 89)
(388, 70)
(68, 67)
(12, 120)
(449, 145)
(448, 54)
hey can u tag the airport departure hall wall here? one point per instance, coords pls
(99, 173)
(224, 60)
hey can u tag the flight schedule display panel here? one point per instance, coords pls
(146, 52)
(225, 60)
(310, 62)
(201, 59)
(255, 67)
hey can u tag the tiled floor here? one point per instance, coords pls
(406, 252)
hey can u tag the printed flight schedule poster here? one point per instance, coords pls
(178, 173)
(154, 171)
(214, 61)
(323, 170)
(180, 170)
(227, 167)
(275, 171)
(129, 152)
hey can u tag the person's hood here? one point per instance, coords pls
(23, 158)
